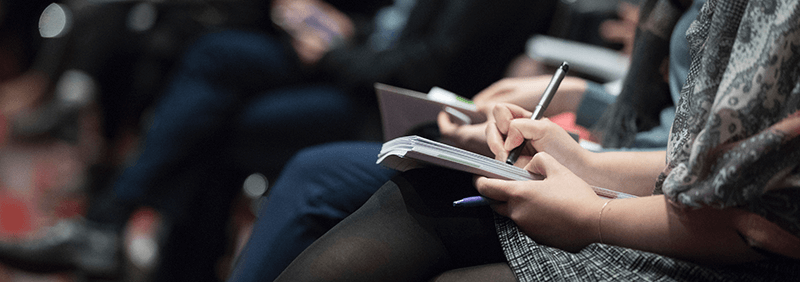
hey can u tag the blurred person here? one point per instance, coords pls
(694, 219)
(240, 97)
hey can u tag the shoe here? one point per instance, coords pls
(70, 245)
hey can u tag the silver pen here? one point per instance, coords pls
(538, 112)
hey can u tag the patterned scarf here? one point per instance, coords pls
(734, 141)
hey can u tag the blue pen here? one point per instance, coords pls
(474, 201)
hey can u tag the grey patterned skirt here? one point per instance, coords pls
(600, 262)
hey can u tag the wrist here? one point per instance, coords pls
(581, 163)
(600, 221)
(593, 220)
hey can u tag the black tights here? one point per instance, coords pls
(409, 231)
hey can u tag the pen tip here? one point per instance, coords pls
(565, 66)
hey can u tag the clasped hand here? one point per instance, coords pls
(315, 26)
(561, 210)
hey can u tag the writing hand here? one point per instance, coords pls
(559, 211)
(512, 126)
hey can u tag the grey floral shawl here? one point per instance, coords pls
(734, 139)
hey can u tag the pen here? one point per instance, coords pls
(474, 201)
(549, 92)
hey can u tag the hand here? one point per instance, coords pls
(21, 93)
(622, 30)
(526, 92)
(309, 46)
(524, 66)
(512, 126)
(470, 137)
(315, 26)
(560, 211)
(515, 90)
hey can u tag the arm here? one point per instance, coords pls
(526, 92)
(706, 235)
(562, 211)
(630, 172)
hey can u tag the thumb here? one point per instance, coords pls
(544, 164)
(496, 189)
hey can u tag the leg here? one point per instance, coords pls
(275, 125)
(319, 187)
(196, 210)
(198, 104)
(486, 272)
(407, 231)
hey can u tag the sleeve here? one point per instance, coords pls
(442, 40)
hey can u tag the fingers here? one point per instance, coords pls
(497, 132)
(446, 126)
(544, 164)
(495, 141)
(513, 126)
(505, 113)
(495, 189)
(520, 130)
(541, 135)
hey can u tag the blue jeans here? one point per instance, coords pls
(318, 188)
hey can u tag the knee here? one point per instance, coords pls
(318, 179)
(215, 53)
(310, 163)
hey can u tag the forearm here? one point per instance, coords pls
(526, 92)
(652, 224)
(630, 172)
